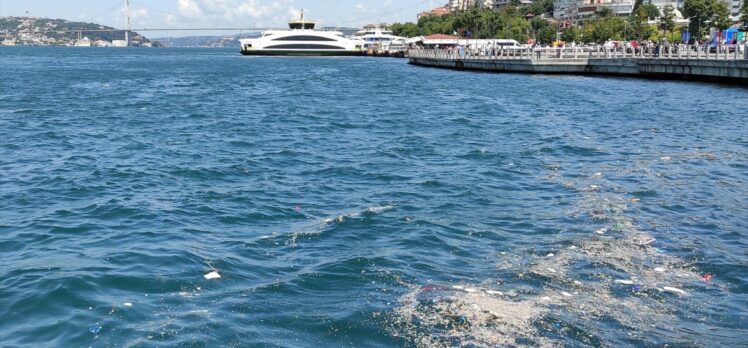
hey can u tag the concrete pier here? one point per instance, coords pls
(729, 66)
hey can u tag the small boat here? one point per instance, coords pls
(301, 40)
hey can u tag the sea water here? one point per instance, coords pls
(363, 202)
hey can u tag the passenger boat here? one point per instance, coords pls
(381, 40)
(301, 40)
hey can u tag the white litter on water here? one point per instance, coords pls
(647, 241)
(666, 158)
(674, 290)
(212, 275)
(379, 209)
(550, 255)
(127, 304)
(566, 294)
(624, 281)
(597, 175)
(601, 231)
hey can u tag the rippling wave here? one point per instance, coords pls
(363, 202)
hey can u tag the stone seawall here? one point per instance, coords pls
(719, 71)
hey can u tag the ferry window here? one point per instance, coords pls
(303, 38)
(305, 47)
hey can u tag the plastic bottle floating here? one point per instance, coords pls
(212, 275)
(707, 277)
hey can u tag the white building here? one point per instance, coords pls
(576, 10)
(498, 4)
(119, 43)
(735, 6)
(457, 5)
(84, 42)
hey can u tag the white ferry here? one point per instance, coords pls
(301, 40)
(381, 39)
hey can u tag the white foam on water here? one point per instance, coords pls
(489, 317)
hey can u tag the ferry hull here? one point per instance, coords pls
(297, 53)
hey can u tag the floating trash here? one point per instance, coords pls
(127, 304)
(707, 277)
(666, 158)
(550, 255)
(212, 275)
(601, 231)
(566, 294)
(646, 241)
(95, 329)
(674, 290)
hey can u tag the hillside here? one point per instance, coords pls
(46, 31)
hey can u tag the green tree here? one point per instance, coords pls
(516, 28)
(604, 12)
(667, 20)
(539, 7)
(406, 29)
(570, 35)
(721, 15)
(547, 35)
(431, 25)
(699, 12)
(638, 26)
(603, 29)
(650, 11)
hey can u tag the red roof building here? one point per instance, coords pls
(437, 12)
(440, 37)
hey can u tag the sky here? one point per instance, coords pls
(221, 13)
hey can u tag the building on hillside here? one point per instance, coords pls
(735, 6)
(499, 4)
(436, 12)
(677, 6)
(461, 5)
(578, 10)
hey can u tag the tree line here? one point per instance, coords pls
(521, 23)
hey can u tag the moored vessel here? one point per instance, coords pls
(301, 39)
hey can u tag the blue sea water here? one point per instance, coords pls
(334, 195)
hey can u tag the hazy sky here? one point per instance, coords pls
(220, 13)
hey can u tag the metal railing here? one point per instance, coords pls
(730, 52)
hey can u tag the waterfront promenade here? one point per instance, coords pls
(686, 63)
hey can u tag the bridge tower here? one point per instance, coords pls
(127, 22)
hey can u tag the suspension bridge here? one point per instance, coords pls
(126, 5)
